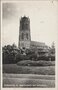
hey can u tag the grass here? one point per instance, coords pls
(30, 76)
(14, 68)
(28, 80)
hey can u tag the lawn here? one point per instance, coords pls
(28, 80)
(28, 76)
(14, 68)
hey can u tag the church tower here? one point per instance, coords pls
(24, 33)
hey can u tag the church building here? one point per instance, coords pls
(25, 38)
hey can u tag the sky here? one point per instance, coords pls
(43, 21)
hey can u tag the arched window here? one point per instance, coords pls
(27, 35)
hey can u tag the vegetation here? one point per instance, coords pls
(36, 63)
(29, 80)
(11, 54)
(15, 69)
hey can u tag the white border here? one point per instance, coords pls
(56, 79)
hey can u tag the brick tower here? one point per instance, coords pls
(24, 33)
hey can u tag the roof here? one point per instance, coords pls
(24, 18)
(39, 46)
(35, 43)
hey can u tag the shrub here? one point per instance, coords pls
(36, 63)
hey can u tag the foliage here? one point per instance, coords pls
(11, 54)
(36, 63)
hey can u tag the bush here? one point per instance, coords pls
(8, 58)
(46, 58)
(36, 63)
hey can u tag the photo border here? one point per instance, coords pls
(56, 68)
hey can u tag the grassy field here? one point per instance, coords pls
(28, 80)
(14, 68)
(28, 76)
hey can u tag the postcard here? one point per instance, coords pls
(29, 44)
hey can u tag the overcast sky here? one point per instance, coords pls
(43, 20)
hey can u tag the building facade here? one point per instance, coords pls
(25, 37)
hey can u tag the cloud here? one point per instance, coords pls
(8, 10)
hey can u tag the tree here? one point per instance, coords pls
(9, 53)
(53, 48)
(52, 51)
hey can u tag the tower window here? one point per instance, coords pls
(22, 35)
(24, 26)
(27, 35)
